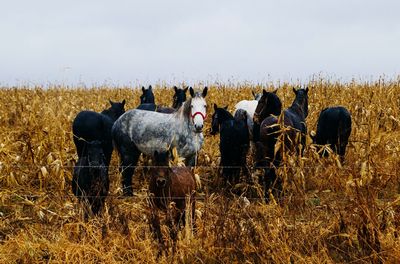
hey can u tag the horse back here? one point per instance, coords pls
(294, 120)
(91, 125)
(147, 107)
(334, 123)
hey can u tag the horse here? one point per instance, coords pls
(178, 99)
(270, 129)
(139, 131)
(249, 106)
(90, 182)
(90, 126)
(170, 185)
(333, 128)
(234, 141)
(268, 105)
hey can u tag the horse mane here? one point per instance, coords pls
(184, 110)
(227, 113)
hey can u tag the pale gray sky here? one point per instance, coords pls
(125, 42)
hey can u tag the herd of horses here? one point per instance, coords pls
(157, 130)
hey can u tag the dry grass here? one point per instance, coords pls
(330, 213)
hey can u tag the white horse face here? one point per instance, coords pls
(198, 112)
(198, 109)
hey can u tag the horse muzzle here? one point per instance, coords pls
(161, 182)
(198, 128)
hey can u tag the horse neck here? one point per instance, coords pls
(110, 114)
(224, 115)
(299, 108)
(182, 115)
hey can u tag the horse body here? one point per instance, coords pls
(334, 128)
(170, 185)
(234, 141)
(153, 131)
(91, 126)
(139, 131)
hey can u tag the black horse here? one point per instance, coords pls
(270, 130)
(234, 141)
(90, 126)
(90, 182)
(333, 128)
(178, 99)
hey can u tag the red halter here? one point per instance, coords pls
(199, 113)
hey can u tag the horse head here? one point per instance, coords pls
(147, 96)
(179, 97)
(116, 109)
(198, 108)
(269, 104)
(162, 173)
(217, 118)
(301, 100)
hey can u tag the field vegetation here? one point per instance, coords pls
(330, 212)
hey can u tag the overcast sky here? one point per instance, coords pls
(131, 42)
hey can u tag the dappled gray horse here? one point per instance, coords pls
(138, 131)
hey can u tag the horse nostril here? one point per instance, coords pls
(161, 182)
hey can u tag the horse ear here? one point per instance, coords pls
(143, 89)
(215, 106)
(264, 92)
(150, 87)
(185, 90)
(191, 92)
(176, 89)
(111, 102)
(123, 102)
(294, 90)
(307, 89)
(253, 93)
(204, 92)
(226, 107)
(274, 91)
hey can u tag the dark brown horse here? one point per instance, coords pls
(171, 189)
(292, 121)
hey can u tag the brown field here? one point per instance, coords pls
(330, 213)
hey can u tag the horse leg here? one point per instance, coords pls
(156, 227)
(172, 224)
(80, 145)
(243, 164)
(129, 160)
(190, 161)
(193, 204)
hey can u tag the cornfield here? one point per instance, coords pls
(330, 212)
